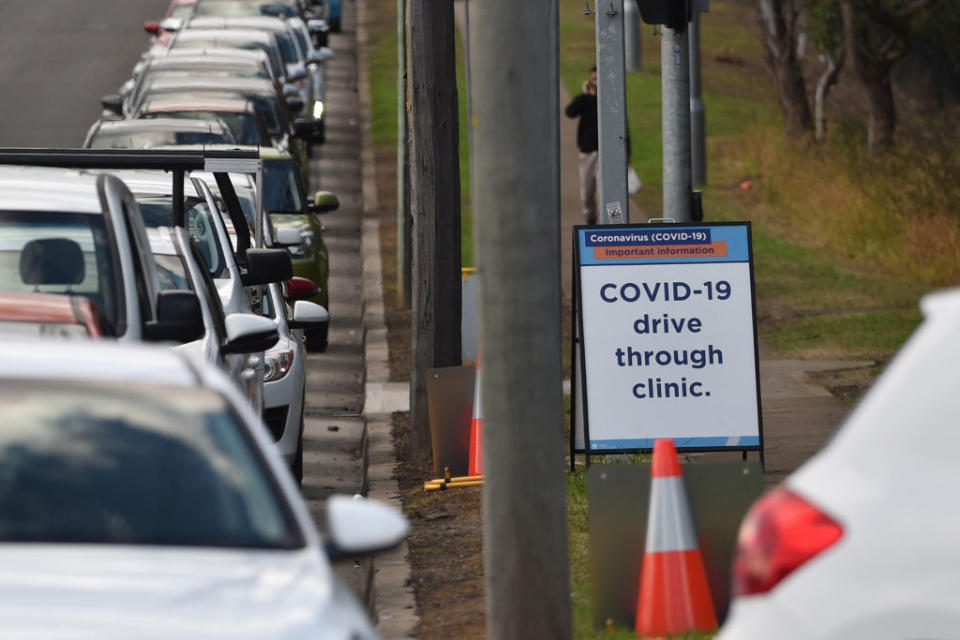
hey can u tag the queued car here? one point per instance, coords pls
(156, 132)
(302, 61)
(80, 233)
(190, 63)
(142, 498)
(240, 115)
(860, 541)
(286, 202)
(275, 110)
(251, 39)
(231, 341)
(49, 315)
(284, 389)
(162, 30)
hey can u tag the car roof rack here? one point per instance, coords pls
(219, 162)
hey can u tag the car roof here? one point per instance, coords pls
(49, 189)
(145, 182)
(162, 124)
(263, 23)
(226, 53)
(225, 35)
(163, 84)
(205, 61)
(103, 361)
(199, 101)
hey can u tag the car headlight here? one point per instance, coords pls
(318, 109)
(278, 364)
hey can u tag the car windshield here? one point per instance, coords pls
(148, 139)
(171, 272)
(129, 463)
(243, 126)
(281, 186)
(214, 43)
(157, 211)
(287, 48)
(268, 106)
(234, 8)
(55, 252)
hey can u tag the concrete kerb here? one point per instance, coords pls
(394, 606)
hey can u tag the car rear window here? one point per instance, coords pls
(52, 236)
(133, 464)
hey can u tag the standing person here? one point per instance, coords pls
(584, 106)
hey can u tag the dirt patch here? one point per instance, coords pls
(446, 549)
(848, 384)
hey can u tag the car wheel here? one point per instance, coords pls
(297, 466)
(317, 339)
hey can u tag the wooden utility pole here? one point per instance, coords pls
(517, 238)
(435, 205)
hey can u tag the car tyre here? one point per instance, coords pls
(317, 339)
(297, 466)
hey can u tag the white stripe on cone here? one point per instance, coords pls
(668, 519)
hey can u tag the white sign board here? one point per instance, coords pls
(668, 336)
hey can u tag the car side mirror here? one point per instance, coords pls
(359, 526)
(324, 202)
(249, 333)
(151, 27)
(300, 288)
(267, 265)
(316, 25)
(179, 318)
(308, 315)
(321, 56)
(296, 74)
(112, 103)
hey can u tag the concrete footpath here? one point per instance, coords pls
(347, 442)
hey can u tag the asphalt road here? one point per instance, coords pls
(58, 57)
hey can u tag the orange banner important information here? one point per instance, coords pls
(712, 250)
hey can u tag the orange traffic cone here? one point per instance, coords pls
(674, 595)
(476, 428)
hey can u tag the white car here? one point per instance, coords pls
(284, 388)
(861, 541)
(229, 340)
(140, 497)
(80, 232)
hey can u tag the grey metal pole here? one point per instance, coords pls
(632, 40)
(612, 113)
(404, 222)
(516, 232)
(698, 126)
(675, 106)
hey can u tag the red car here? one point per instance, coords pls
(49, 315)
(163, 30)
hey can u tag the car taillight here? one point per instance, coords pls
(780, 533)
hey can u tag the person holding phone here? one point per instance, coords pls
(584, 106)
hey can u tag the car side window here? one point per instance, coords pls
(208, 290)
(140, 275)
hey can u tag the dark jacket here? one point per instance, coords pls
(585, 106)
